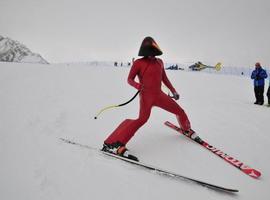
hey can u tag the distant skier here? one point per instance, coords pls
(259, 74)
(151, 74)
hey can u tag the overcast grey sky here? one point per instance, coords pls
(235, 32)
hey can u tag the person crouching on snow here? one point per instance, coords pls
(151, 74)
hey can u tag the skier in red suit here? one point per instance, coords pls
(151, 74)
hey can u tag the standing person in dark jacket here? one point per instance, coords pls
(268, 93)
(258, 75)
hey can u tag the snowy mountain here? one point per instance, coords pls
(14, 51)
(40, 104)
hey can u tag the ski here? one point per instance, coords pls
(155, 169)
(236, 163)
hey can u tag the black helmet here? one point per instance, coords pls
(149, 48)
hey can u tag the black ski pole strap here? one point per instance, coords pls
(130, 99)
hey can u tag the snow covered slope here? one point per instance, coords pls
(41, 103)
(14, 51)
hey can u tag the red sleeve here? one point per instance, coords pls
(165, 79)
(132, 74)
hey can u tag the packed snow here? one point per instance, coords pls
(42, 103)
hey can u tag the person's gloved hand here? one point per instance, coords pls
(138, 86)
(176, 96)
(257, 77)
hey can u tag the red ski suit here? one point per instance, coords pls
(151, 74)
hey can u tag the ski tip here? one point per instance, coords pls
(226, 190)
(254, 174)
(231, 190)
(234, 190)
(251, 172)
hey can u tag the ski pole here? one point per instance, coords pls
(115, 106)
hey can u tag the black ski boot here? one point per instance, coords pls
(190, 133)
(193, 135)
(119, 149)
